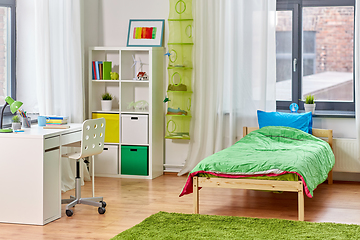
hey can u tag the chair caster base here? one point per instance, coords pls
(69, 213)
(101, 210)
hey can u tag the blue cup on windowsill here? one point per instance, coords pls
(42, 121)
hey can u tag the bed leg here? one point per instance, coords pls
(301, 202)
(196, 194)
(330, 177)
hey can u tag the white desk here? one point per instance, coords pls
(30, 173)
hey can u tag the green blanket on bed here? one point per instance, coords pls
(287, 149)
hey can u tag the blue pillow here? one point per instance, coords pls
(302, 121)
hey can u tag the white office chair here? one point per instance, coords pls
(92, 143)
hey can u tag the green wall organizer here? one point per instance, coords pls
(179, 92)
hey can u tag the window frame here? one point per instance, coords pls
(12, 37)
(282, 5)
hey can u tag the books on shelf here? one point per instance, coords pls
(101, 70)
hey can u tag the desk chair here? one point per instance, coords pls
(92, 143)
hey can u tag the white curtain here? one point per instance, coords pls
(234, 72)
(50, 62)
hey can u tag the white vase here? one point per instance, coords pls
(309, 107)
(16, 125)
(106, 105)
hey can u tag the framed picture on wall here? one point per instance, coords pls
(145, 33)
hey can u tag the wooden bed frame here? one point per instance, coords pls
(255, 184)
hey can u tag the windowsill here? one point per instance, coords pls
(328, 113)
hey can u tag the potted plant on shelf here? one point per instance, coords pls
(15, 125)
(106, 102)
(309, 104)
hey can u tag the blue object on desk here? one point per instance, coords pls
(18, 130)
(294, 108)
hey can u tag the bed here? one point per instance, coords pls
(283, 151)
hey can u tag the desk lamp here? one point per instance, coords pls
(14, 106)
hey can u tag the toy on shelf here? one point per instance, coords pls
(114, 76)
(142, 76)
(134, 66)
(139, 105)
(179, 87)
(178, 111)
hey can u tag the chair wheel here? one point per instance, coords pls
(103, 203)
(101, 210)
(69, 213)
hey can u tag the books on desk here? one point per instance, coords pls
(56, 122)
(56, 126)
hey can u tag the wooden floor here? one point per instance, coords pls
(130, 201)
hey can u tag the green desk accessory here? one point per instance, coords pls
(14, 106)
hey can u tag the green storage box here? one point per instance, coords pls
(179, 79)
(134, 160)
(180, 55)
(180, 31)
(180, 9)
(177, 126)
(179, 104)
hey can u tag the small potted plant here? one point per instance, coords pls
(106, 102)
(309, 104)
(15, 125)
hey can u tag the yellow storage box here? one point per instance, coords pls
(112, 126)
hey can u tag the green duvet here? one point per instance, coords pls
(271, 151)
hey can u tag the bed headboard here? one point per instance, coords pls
(320, 133)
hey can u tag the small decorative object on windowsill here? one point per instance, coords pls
(15, 125)
(294, 108)
(309, 104)
(106, 102)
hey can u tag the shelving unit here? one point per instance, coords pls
(140, 144)
(180, 68)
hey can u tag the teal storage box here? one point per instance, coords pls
(134, 160)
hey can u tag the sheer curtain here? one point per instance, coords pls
(50, 62)
(234, 72)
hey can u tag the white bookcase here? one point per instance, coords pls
(142, 129)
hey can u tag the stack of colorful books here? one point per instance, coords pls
(56, 122)
(101, 70)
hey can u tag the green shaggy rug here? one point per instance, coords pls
(164, 225)
(194, 226)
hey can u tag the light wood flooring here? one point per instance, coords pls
(130, 201)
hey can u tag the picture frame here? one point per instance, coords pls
(145, 33)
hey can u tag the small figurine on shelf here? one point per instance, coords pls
(114, 76)
(142, 76)
(139, 105)
(178, 111)
(179, 87)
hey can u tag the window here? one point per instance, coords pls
(7, 50)
(315, 53)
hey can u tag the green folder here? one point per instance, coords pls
(106, 70)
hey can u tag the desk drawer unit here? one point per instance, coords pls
(134, 129)
(69, 138)
(51, 142)
(134, 160)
